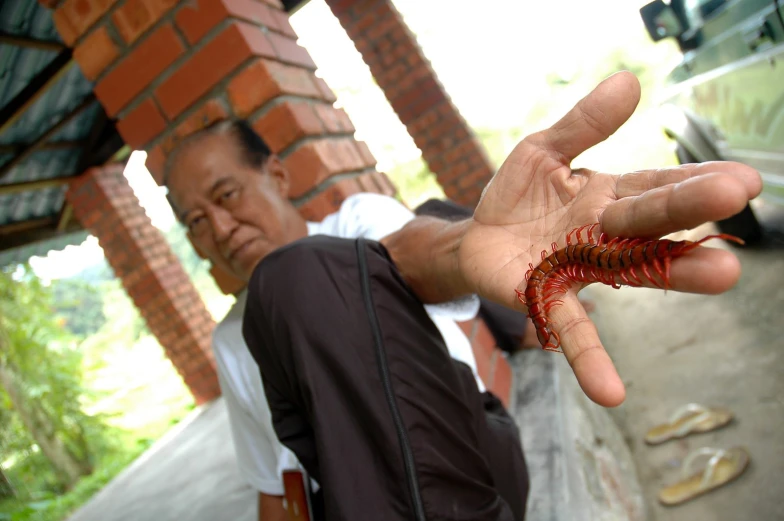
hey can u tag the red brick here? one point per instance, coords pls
(74, 17)
(484, 367)
(452, 192)
(503, 378)
(329, 200)
(287, 123)
(211, 64)
(484, 340)
(387, 186)
(211, 111)
(339, 7)
(335, 120)
(469, 328)
(364, 152)
(95, 53)
(289, 51)
(346, 150)
(367, 184)
(264, 80)
(470, 179)
(136, 16)
(326, 93)
(365, 21)
(135, 72)
(141, 125)
(311, 163)
(197, 18)
(155, 162)
(284, 26)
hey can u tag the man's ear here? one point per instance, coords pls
(279, 175)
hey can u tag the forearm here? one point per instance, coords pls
(425, 252)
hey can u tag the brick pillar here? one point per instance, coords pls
(165, 68)
(400, 68)
(492, 366)
(150, 272)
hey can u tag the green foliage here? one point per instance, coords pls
(415, 182)
(80, 304)
(134, 396)
(45, 362)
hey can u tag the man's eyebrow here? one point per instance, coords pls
(217, 184)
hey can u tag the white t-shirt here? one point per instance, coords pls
(261, 457)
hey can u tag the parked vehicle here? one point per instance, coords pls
(725, 99)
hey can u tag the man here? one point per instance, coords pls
(360, 384)
(260, 456)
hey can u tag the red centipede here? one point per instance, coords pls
(615, 263)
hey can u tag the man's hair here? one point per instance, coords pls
(254, 151)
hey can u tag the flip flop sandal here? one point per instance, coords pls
(722, 467)
(688, 419)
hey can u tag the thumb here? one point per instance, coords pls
(595, 117)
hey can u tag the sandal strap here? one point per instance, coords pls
(690, 408)
(687, 409)
(716, 455)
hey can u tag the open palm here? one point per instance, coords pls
(536, 198)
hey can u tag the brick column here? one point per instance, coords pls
(150, 272)
(165, 68)
(401, 69)
(492, 366)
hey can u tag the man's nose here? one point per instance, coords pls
(223, 224)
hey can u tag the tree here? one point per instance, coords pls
(40, 376)
(6, 490)
(80, 304)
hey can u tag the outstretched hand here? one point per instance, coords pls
(536, 198)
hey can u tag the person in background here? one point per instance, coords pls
(260, 455)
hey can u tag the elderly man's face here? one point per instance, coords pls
(235, 214)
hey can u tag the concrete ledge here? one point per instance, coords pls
(580, 465)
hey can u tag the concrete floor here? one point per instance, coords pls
(190, 474)
(718, 350)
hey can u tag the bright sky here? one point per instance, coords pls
(492, 61)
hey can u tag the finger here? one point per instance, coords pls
(675, 207)
(705, 270)
(637, 183)
(591, 364)
(595, 117)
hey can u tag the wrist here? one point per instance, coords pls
(426, 252)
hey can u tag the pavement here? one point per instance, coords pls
(723, 350)
(190, 473)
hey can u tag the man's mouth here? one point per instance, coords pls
(234, 254)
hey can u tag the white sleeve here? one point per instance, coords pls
(375, 216)
(257, 452)
(372, 216)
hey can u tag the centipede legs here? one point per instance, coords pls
(613, 261)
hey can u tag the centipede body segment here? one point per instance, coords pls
(615, 262)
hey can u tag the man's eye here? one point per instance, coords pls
(231, 194)
(194, 223)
